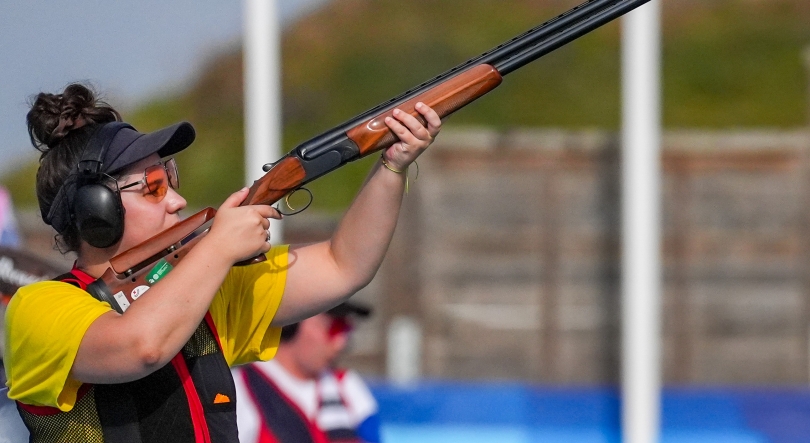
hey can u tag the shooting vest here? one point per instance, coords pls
(283, 421)
(191, 399)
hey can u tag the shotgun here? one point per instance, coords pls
(133, 271)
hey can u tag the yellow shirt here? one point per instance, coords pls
(46, 321)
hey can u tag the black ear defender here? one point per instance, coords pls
(97, 210)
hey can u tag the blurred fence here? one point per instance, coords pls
(508, 255)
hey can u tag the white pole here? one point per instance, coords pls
(403, 362)
(641, 225)
(262, 91)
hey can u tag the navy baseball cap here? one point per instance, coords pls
(130, 146)
(127, 146)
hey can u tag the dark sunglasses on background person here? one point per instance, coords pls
(156, 180)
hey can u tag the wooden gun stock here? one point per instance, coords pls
(445, 98)
(131, 259)
(134, 271)
(286, 176)
(295, 169)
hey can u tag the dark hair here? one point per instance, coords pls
(60, 125)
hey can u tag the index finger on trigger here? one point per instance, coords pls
(266, 211)
(273, 213)
(276, 215)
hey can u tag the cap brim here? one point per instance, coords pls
(130, 146)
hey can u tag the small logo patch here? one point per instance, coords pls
(221, 398)
(159, 271)
(137, 292)
(122, 300)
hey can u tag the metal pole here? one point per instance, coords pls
(641, 225)
(806, 57)
(262, 91)
(805, 159)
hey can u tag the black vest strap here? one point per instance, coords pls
(284, 421)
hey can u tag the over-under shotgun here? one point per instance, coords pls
(134, 271)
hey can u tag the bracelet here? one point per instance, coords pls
(404, 171)
(387, 166)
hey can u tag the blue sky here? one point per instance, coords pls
(129, 50)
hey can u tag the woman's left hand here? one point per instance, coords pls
(414, 137)
(348, 262)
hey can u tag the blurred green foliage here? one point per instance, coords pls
(727, 63)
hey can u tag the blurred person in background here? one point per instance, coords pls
(9, 236)
(301, 395)
(80, 371)
(17, 267)
(11, 428)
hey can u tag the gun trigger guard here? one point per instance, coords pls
(287, 203)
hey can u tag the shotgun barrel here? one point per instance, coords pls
(128, 276)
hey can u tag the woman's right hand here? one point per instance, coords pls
(120, 348)
(241, 232)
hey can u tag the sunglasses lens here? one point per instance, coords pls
(171, 171)
(157, 183)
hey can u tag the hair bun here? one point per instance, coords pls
(53, 116)
(70, 118)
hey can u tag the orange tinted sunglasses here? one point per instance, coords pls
(157, 179)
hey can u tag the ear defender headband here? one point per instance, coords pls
(85, 201)
(97, 210)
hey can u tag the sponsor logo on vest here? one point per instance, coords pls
(221, 398)
(122, 300)
(159, 271)
(138, 291)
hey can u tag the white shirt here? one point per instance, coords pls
(331, 402)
